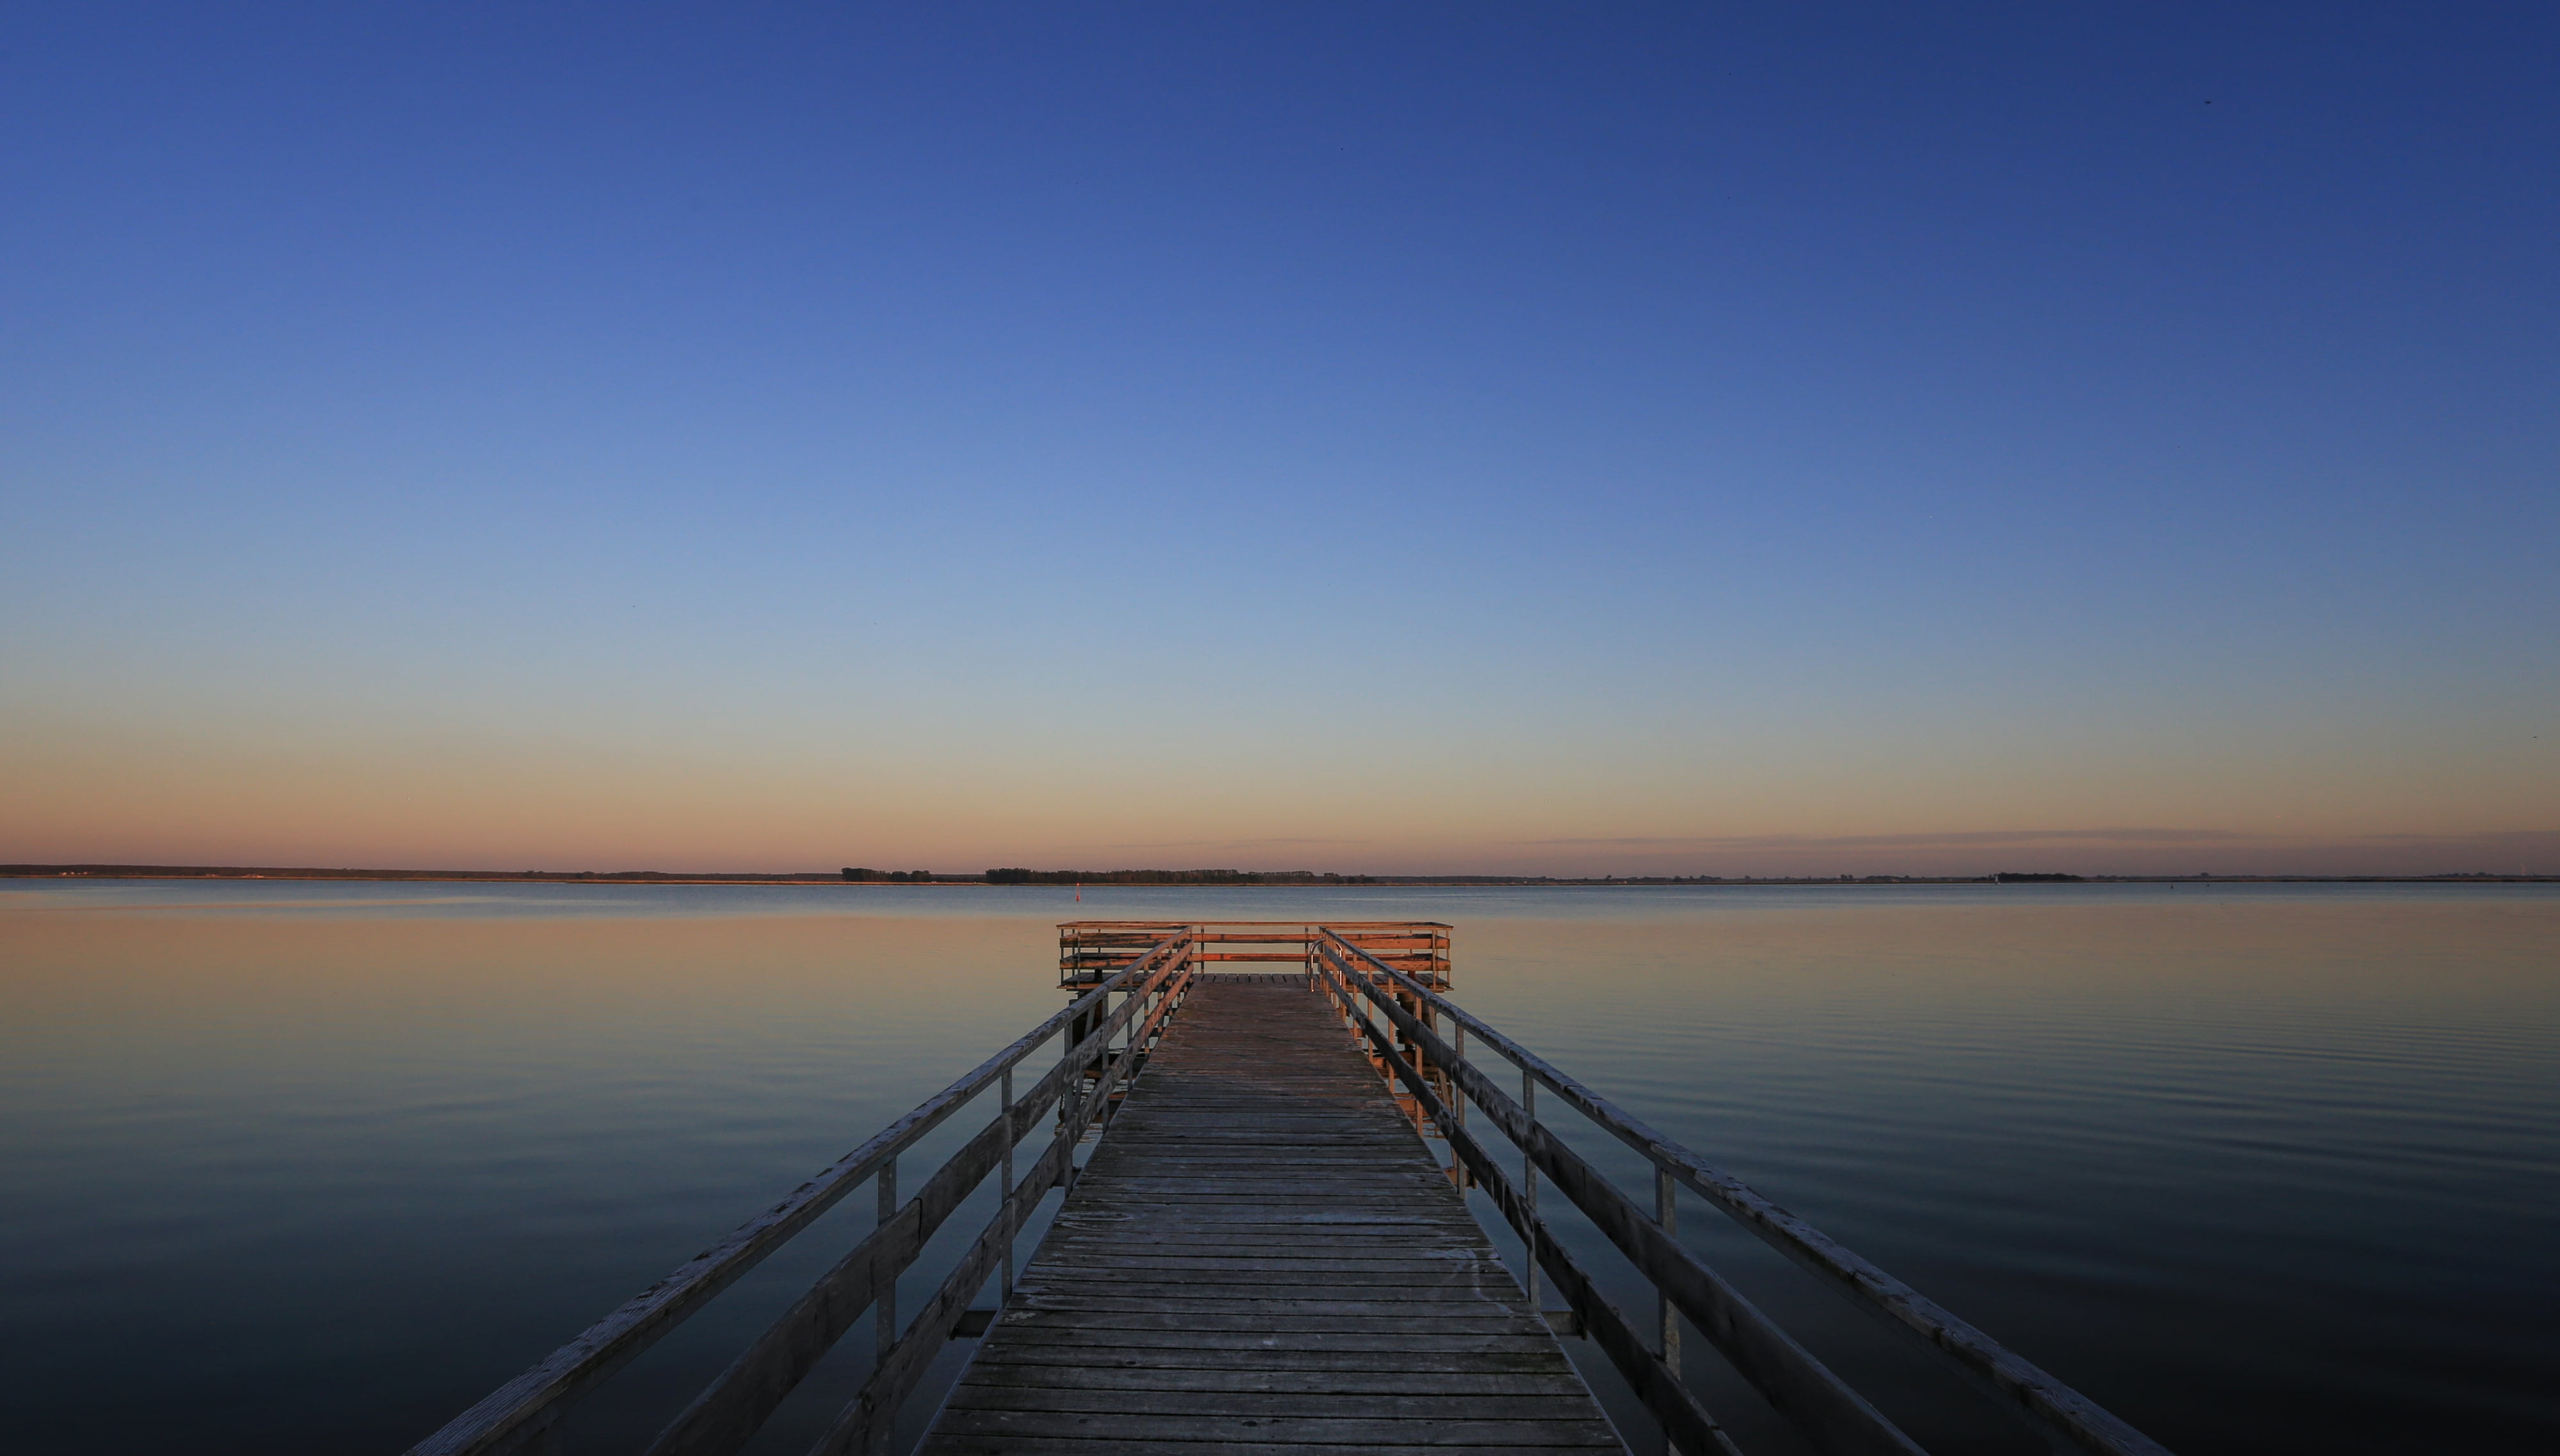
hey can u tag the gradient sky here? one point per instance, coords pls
(1696, 439)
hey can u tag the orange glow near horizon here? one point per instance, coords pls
(155, 798)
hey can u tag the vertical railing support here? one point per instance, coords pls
(1529, 1188)
(884, 1323)
(1005, 1196)
(1667, 1214)
(1457, 1100)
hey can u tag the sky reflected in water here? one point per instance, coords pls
(294, 1166)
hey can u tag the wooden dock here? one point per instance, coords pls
(1262, 1253)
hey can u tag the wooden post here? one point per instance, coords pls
(1529, 1189)
(1458, 1101)
(886, 1322)
(1005, 1196)
(1076, 1031)
(1666, 1214)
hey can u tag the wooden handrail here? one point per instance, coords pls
(1684, 1418)
(865, 1422)
(522, 1410)
(1801, 1388)
(734, 1405)
(2044, 1402)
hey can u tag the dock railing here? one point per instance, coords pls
(1440, 1079)
(525, 1413)
(1396, 972)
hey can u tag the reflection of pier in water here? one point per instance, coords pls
(1258, 1251)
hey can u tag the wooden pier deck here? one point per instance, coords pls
(1262, 1254)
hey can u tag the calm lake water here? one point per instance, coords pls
(291, 1167)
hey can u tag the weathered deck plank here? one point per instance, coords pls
(1262, 1256)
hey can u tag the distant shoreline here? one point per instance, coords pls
(1364, 881)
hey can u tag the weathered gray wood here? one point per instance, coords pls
(1146, 1346)
(1204, 1286)
(1013, 1444)
(1202, 1255)
(2027, 1392)
(1377, 1404)
(1286, 1280)
(1059, 1304)
(1295, 1381)
(1531, 1340)
(1316, 1163)
(1469, 1357)
(1333, 1221)
(1241, 1321)
(1359, 1429)
(1081, 1263)
(1373, 1287)
(1223, 1245)
(1360, 1227)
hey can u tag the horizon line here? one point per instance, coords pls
(1286, 879)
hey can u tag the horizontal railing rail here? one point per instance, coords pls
(527, 1408)
(1832, 1415)
(1088, 949)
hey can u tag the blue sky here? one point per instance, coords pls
(1629, 439)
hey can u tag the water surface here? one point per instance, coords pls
(291, 1166)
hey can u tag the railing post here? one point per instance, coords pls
(1666, 1214)
(1529, 1189)
(887, 1315)
(1073, 1090)
(1458, 1099)
(1004, 1195)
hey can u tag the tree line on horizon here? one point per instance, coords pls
(1020, 876)
(1170, 877)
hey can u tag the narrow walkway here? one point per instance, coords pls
(1262, 1257)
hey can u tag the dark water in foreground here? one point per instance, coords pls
(290, 1167)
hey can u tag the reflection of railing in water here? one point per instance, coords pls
(1833, 1416)
(1390, 980)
